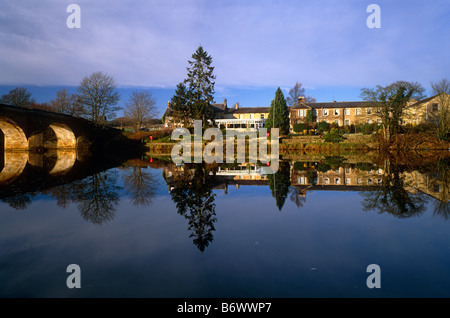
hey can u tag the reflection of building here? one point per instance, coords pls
(313, 176)
(428, 183)
(342, 176)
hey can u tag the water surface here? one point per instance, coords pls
(150, 228)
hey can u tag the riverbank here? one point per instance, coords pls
(350, 144)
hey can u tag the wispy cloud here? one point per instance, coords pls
(253, 43)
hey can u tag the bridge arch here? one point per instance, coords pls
(14, 137)
(65, 160)
(13, 165)
(65, 138)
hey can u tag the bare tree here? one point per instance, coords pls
(140, 107)
(390, 102)
(18, 96)
(296, 92)
(66, 103)
(97, 97)
(442, 91)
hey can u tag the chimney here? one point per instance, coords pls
(168, 104)
(236, 106)
(301, 99)
(225, 103)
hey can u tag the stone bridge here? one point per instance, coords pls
(31, 129)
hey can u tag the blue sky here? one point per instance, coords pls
(256, 45)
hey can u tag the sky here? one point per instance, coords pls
(256, 46)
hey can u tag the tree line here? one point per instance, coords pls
(96, 99)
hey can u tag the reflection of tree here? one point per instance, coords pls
(193, 197)
(97, 196)
(280, 183)
(297, 196)
(18, 202)
(140, 185)
(64, 194)
(392, 197)
(442, 207)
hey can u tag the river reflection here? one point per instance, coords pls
(401, 190)
(138, 219)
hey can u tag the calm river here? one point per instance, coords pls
(150, 228)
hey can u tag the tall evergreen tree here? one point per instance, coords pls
(280, 183)
(200, 80)
(278, 114)
(179, 104)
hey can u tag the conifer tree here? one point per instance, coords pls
(278, 114)
(200, 80)
(179, 104)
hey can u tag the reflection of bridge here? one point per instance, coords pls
(28, 129)
(57, 162)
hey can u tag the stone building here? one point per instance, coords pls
(426, 111)
(341, 113)
(361, 112)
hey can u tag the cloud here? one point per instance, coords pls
(253, 43)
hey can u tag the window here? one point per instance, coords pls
(347, 170)
(252, 116)
(300, 112)
(347, 112)
(241, 116)
(359, 181)
(337, 181)
(347, 122)
(358, 111)
(369, 111)
(370, 181)
(369, 121)
(326, 181)
(325, 112)
(436, 188)
(347, 181)
(379, 122)
(336, 122)
(336, 112)
(262, 116)
(435, 106)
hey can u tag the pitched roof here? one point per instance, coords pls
(247, 110)
(424, 100)
(330, 105)
(219, 107)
